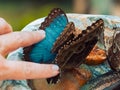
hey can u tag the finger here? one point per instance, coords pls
(4, 27)
(14, 40)
(27, 70)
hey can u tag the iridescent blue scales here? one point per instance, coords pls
(53, 25)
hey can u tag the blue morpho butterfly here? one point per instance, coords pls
(67, 49)
(53, 25)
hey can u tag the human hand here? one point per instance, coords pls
(18, 70)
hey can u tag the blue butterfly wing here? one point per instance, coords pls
(41, 52)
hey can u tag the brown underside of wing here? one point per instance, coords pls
(114, 53)
(65, 36)
(74, 52)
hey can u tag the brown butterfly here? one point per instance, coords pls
(114, 52)
(72, 49)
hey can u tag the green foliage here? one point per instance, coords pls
(19, 14)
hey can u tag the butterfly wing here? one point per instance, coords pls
(65, 36)
(53, 25)
(74, 49)
(74, 52)
(114, 52)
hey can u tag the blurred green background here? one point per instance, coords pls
(21, 12)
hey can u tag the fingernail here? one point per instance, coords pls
(55, 68)
(42, 32)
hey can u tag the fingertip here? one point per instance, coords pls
(10, 28)
(4, 27)
(42, 33)
(39, 35)
(55, 69)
